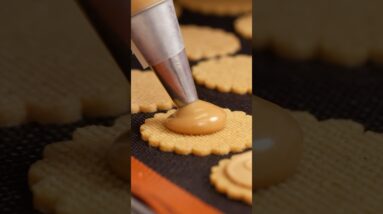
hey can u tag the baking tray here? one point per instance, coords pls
(192, 172)
(323, 89)
(23, 145)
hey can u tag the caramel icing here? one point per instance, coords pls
(277, 143)
(239, 169)
(197, 118)
(119, 156)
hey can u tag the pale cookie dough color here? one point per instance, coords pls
(55, 70)
(226, 74)
(244, 26)
(74, 176)
(239, 170)
(277, 143)
(343, 32)
(119, 156)
(341, 168)
(148, 94)
(206, 42)
(197, 118)
(234, 137)
(218, 7)
(234, 177)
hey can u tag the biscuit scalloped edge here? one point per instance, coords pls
(64, 109)
(224, 186)
(195, 149)
(48, 198)
(223, 88)
(152, 107)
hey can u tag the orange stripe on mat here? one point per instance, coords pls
(162, 195)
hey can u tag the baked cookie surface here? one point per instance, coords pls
(233, 177)
(342, 168)
(346, 33)
(206, 42)
(225, 74)
(74, 176)
(53, 67)
(234, 137)
(148, 94)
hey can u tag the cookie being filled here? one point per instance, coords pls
(197, 118)
(234, 137)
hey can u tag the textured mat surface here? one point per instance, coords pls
(327, 92)
(23, 145)
(191, 172)
(53, 67)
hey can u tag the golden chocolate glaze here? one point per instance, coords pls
(197, 118)
(277, 143)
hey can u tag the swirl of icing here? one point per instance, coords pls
(239, 169)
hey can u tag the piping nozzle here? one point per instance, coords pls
(156, 40)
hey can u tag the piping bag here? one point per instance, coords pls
(156, 41)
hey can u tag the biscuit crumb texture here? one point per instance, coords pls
(206, 42)
(244, 26)
(235, 137)
(218, 7)
(53, 66)
(148, 94)
(341, 172)
(74, 177)
(226, 74)
(345, 33)
(224, 184)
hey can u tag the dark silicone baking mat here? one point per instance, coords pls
(323, 89)
(192, 172)
(21, 146)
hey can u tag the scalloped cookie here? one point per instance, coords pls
(74, 177)
(206, 42)
(148, 94)
(218, 7)
(53, 67)
(234, 137)
(233, 177)
(226, 74)
(342, 168)
(244, 26)
(343, 32)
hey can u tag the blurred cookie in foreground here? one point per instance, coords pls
(57, 75)
(347, 33)
(244, 26)
(75, 177)
(342, 168)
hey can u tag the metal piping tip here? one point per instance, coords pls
(159, 43)
(175, 75)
